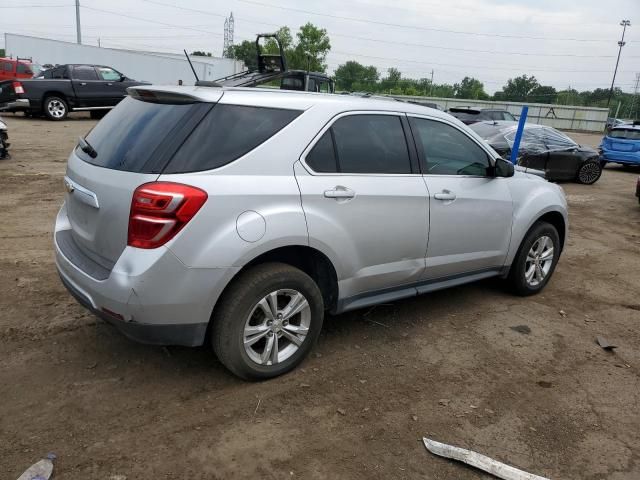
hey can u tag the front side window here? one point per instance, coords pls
(448, 151)
(508, 116)
(108, 74)
(84, 73)
(227, 133)
(7, 66)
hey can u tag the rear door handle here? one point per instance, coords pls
(84, 84)
(339, 192)
(445, 195)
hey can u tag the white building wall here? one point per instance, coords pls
(150, 67)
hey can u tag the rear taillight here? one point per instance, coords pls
(18, 88)
(159, 210)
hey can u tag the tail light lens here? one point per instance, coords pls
(18, 88)
(159, 210)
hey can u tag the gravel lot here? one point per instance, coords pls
(448, 365)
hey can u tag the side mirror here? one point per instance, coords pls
(122, 78)
(503, 168)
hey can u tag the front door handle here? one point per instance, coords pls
(84, 84)
(109, 84)
(445, 195)
(339, 192)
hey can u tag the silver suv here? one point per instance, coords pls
(240, 216)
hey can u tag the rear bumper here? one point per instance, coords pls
(627, 158)
(149, 295)
(185, 334)
(17, 105)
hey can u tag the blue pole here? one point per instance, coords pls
(516, 142)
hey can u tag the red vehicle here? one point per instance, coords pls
(11, 68)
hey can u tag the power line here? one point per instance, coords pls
(414, 27)
(471, 50)
(185, 27)
(37, 6)
(528, 67)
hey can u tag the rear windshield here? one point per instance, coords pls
(472, 115)
(128, 136)
(625, 133)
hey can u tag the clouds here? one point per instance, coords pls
(454, 38)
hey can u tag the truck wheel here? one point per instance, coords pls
(55, 108)
(267, 321)
(536, 260)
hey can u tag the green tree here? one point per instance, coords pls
(518, 89)
(471, 88)
(569, 96)
(245, 52)
(311, 49)
(2, 53)
(543, 94)
(199, 53)
(353, 74)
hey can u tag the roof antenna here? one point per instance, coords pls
(191, 65)
(200, 83)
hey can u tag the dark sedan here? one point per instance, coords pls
(543, 148)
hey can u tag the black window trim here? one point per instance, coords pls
(422, 156)
(328, 127)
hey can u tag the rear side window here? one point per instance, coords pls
(322, 157)
(371, 144)
(7, 66)
(85, 73)
(130, 134)
(23, 69)
(227, 133)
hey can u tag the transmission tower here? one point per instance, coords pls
(228, 35)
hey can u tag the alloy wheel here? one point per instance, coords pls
(276, 327)
(589, 173)
(56, 108)
(539, 261)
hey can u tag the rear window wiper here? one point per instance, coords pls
(87, 148)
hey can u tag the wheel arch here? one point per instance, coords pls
(308, 259)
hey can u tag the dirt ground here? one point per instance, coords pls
(449, 365)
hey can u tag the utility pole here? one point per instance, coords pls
(621, 43)
(78, 29)
(431, 90)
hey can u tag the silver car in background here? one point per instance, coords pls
(240, 216)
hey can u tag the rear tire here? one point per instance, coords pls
(55, 108)
(252, 321)
(536, 260)
(589, 173)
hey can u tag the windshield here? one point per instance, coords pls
(625, 133)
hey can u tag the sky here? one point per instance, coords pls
(564, 43)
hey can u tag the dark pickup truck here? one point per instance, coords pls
(66, 88)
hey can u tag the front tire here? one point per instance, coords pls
(589, 173)
(267, 321)
(536, 260)
(55, 108)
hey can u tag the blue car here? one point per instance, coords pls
(622, 145)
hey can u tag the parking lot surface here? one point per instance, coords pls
(519, 379)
